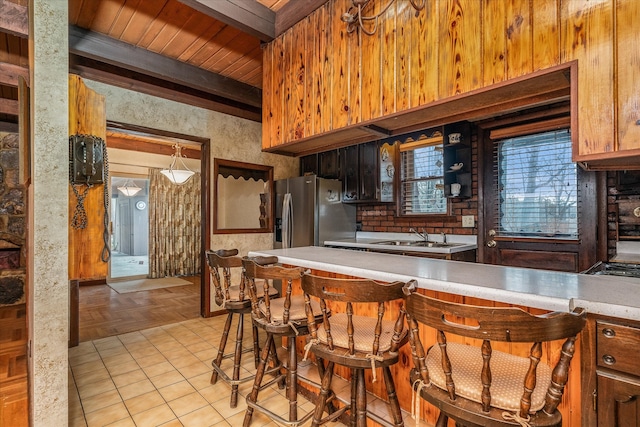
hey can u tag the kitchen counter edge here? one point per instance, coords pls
(543, 289)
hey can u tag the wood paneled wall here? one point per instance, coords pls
(87, 116)
(318, 77)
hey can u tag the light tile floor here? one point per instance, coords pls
(160, 377)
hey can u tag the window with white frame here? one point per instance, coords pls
(422, 177)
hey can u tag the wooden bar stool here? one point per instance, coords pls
(279, 317)
(477, 386)
(355, 341)
(235, 299)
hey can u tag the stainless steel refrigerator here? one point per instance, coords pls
(309, 210)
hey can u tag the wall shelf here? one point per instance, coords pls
(459, 152)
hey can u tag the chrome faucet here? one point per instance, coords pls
(423, 234)
(444, 237)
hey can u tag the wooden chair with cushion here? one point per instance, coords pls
(279, 317)
(355, 341)
(235, 299)
(479, 386)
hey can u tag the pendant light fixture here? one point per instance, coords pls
(129, 188)
(175, 174)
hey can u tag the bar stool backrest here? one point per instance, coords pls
(221, 263)
(267, 269)
(490, 324)
(352, 291)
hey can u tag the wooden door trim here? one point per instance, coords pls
(205, 200)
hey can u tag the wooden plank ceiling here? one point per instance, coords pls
(201, 52)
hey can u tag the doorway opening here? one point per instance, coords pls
(130, 227)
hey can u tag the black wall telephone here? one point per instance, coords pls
(87, 159)
(88, 165)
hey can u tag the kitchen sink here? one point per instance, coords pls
(397, 242)
(422, 243)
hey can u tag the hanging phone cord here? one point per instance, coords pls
(79, 220)
(106, 251)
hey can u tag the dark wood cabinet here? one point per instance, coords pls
(359, 173)
(328, 165)
(309, 165)
(610, 373)
(368, 171)
(349, 173)
(618, 400)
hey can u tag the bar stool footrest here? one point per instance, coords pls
(277, 418)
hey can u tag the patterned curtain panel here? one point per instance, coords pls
(174, 226)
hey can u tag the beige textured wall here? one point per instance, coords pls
(47, 253)
(232, 138)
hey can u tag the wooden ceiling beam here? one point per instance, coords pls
(9, 73)
(293, 12)
(247, 15)
(92, 45)
(111, 75)
(150, 147)
(14, 19)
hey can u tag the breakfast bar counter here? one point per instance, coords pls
(542, 289)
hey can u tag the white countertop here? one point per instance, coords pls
(375, 241)
(548, 290)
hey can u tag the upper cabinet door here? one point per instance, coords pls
(628, 69)
(349, 173)
(369, 179)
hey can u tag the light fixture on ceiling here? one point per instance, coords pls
(129, 188)
(174, 174)
(355, 19)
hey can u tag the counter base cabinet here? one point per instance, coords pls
(618, 400)
(610, 373)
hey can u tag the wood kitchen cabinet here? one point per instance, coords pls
(609, 117)
(618, 401)
(359, 172)
(610, 373)
(324, 164)
(309, 165)
(328, 164)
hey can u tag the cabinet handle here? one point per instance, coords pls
(608, 359)
(608, 332)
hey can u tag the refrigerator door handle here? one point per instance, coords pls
(287, 221)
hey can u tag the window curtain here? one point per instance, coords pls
(174, 226)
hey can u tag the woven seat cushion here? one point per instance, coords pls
(507, 373)
(234, 291)
(363, 335)
(296, 311)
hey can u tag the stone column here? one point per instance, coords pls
(47, 262)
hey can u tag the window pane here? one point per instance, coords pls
(422, 181)
(537, 184)
(424, 197)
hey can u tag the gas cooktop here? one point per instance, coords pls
(614, 269)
